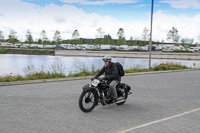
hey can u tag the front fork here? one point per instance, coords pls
(95, 91)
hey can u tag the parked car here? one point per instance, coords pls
(59, 47)
(49, 46)
(40, 46)
(193, 49)
(10, 45)
(17, 45)
(33, 45)
(144, 48)
(167, 50)
(105, 47)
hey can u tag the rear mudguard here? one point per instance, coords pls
(128, 88)
(87, 87)
(125, 86)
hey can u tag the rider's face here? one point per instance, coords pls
(106, 63)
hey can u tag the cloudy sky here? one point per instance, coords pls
(88, 15)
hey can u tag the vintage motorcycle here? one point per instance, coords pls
(100, 92)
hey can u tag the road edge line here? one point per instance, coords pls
(157, 121)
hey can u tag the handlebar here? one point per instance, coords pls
(101, 80)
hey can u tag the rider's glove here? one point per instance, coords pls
(105, 78)
(93, 78)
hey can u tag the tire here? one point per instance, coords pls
(125, 96)
(87, 100)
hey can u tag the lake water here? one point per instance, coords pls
(16, 63)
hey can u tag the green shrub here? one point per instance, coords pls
(26, 51)
(84, 73)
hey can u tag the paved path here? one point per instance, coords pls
(160, 103)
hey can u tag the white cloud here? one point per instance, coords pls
(87, 2)
(187, 26)
(60, 19)
(142, 5)
(183, 4)
(74, 1)
(68, 18)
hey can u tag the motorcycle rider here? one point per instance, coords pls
(111, 75)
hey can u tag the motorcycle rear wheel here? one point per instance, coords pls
(87, 101)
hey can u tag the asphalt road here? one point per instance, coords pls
(160, 103)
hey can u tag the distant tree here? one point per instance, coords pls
(108, 39)
(140, 43)
(39, 41)
(12, 36)
(75, 34)
(99, 37)
(187, 40)
(43, 37)
(145, 34)
(131, 41)
(173, 35)
(29, 38)
(100, 33)
(99, 40)
(53, 42)
(76, 41)
(81, 40)
(57, 37)
(121, 39)
(1, 37)
(120, 33)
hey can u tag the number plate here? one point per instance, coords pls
(95, 82)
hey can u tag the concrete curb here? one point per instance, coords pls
(80, 78)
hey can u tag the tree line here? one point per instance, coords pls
(100, 38)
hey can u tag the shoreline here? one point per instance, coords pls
(114, 54)
(117, 54)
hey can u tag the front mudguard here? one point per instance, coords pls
(87, 87)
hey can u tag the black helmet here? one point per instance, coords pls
(107, 58)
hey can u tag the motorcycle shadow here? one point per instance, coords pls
(128, 107)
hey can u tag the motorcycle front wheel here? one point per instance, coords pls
(87, 101)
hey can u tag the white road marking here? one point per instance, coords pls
(158, 121)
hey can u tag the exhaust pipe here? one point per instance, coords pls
(130, 93)
(122, 100)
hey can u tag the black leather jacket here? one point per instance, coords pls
(111, 72)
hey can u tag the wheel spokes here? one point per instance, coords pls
(88, 100)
